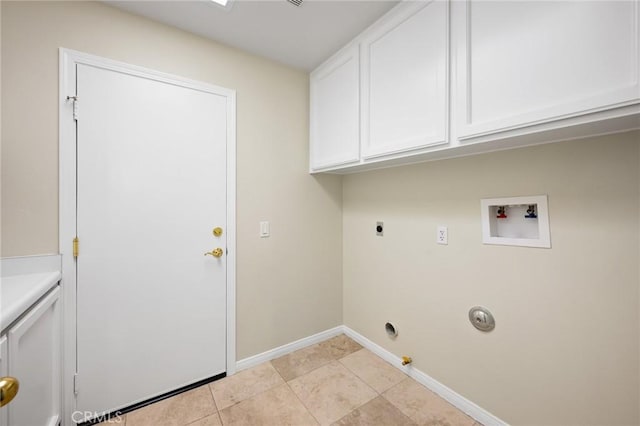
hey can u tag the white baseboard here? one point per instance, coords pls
(252, 361)
(463, 404)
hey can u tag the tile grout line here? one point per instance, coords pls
(214, 402)
(207, 415)
(406, 376)
(293, 392)
(378, 394)
(284, 382)
(356, 374)
(254, 395)
(438, 396)
(394, 386)
(333, 359)
(303, 404)
(319, 366)
(337, 360)
(220, 418)
(300, 375)
(277, 371)
(311, 371)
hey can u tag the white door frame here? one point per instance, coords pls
(67, 204)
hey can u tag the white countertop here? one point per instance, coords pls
(19, 292)
(28, 280)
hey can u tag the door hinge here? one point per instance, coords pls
(74, 99)
(76, 247)
(75, 383)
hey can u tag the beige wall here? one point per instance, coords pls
(280, 280)
(565, 347)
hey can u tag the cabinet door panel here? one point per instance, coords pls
(404, 80)
(34, 359)
(526, 62)
(335, 133)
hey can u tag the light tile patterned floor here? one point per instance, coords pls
(336, 382)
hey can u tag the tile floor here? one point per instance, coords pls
(336, 382)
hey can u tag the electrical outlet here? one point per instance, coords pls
(442, 237)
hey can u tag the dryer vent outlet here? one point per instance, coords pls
(391, 330)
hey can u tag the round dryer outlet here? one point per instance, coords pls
(481, 318)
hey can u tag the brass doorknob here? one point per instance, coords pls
(9, 387)
(217, 252)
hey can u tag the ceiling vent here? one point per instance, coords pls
(296, 2)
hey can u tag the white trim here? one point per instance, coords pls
(67, 227)
(231, 233)
(252, 361)
(463, 404)
(68, 59)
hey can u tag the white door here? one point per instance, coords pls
(151, 187)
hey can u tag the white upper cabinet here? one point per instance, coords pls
(524, 63)
(404, 80)
(436, 79)
(335, 111)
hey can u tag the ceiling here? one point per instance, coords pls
(302, 37)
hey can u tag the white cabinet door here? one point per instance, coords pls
(405, 79)
(4, 411)
(530, 62)
(335, 112)
(34, 359)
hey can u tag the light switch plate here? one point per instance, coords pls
(264, 229)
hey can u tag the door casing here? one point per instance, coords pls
(68, 59)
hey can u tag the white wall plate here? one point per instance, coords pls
(516, 226)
